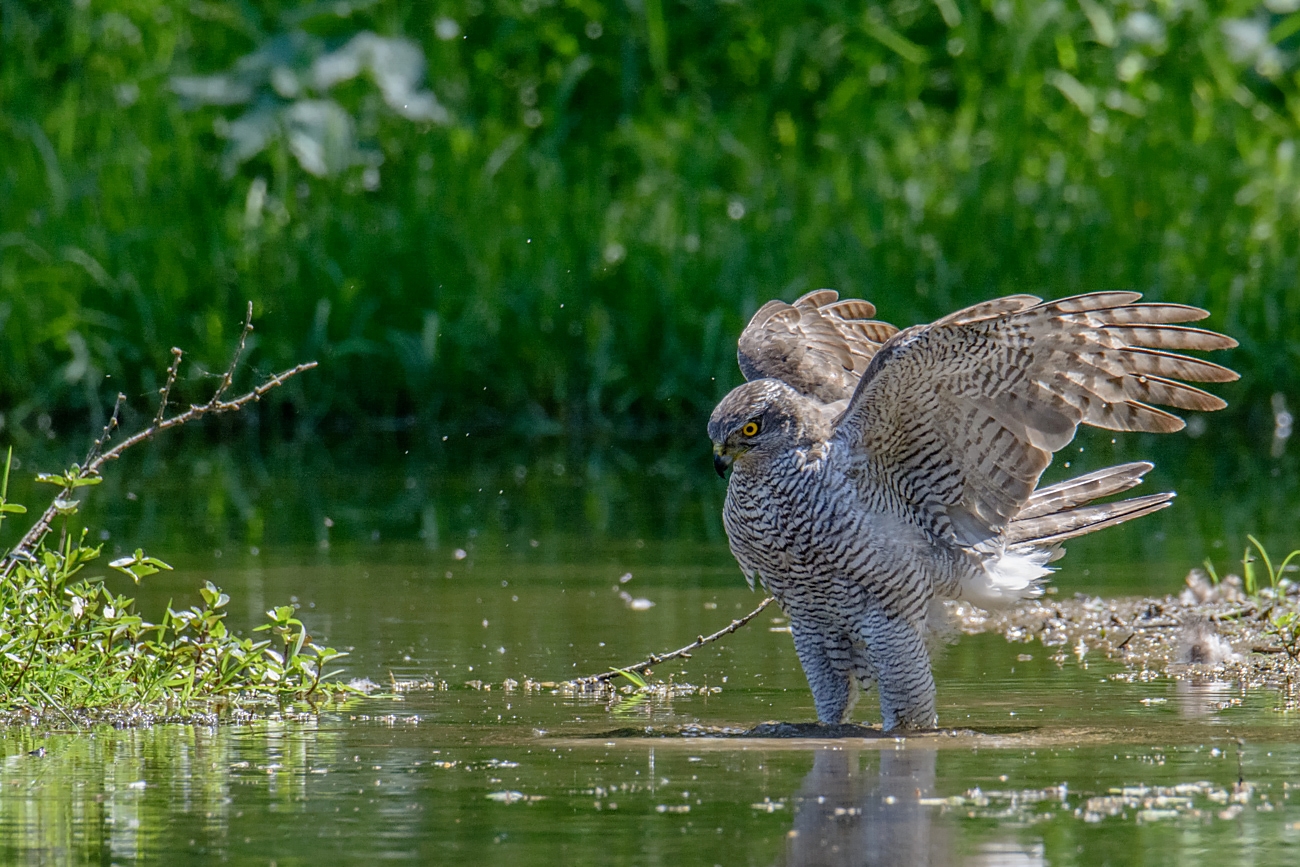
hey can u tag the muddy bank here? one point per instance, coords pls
(1205, 632)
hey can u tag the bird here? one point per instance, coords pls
(876, 472)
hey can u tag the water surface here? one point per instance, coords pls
(476, 575)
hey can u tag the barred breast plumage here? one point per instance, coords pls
(875, 470)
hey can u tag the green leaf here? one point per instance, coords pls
(139, 566)
(637, 680)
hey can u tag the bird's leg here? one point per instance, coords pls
(826, 659)
(862, 669)
(897, 653)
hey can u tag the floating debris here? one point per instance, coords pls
(363, 685)
(1208, 633)
(636, 603)
(511, 797)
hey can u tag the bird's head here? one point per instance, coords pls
(760, 419)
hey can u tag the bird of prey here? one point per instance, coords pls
(875, 471)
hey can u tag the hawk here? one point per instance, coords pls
(875, 471)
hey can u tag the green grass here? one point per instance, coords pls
(1251, 574)
(616, 191)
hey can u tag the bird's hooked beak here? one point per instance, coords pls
(721, 461)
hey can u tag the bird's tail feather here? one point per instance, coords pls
(1015, 569)
(1083, 489)
(1062, 511)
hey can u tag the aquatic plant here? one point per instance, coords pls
(1285, 627)
(635, 679)
(1250, 572)
(70, 644)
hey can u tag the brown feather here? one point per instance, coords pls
(1169, 337)
(1031, 371)
(852, 308)
(989, 309)
(1150, 314)
(1056, 528)
(1084, 489)
(817, 345)
(817, 298)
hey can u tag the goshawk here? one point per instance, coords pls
(875, 471)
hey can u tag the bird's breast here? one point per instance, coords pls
(779, 520)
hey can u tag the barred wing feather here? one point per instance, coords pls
(819, 345)
(953, 423)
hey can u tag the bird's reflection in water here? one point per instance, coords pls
(1197, 699)
(865, 808)
(851, 810)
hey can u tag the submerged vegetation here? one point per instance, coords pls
(71, 646)
(545, 214)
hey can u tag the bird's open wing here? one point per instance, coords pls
(954, 422)
(818, 345)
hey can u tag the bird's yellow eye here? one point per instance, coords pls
(750, 429)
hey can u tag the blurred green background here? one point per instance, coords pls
(554, 216)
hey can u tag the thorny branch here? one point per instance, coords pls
(595, 680)
(96, 459)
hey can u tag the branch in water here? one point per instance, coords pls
(597, 680)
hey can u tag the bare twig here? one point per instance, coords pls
(681, 652)
(98, 445)
(165, 392)
(229, 376)
(215, 406)
(97, 457)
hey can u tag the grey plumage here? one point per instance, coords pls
(875, 470)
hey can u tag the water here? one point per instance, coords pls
(480, 776)
(501, 565)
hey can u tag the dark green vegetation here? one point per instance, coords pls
(571, 230)
(76, 652)
(69, 644)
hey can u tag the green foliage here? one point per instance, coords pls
(1250, 572)
(633, 678)
(614, 187)
(636, 694)
(1285, 627)
(69, 642)
(139, 566)
(7, 508)
(1249, 578)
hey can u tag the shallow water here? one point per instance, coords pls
(1047, 761)
(477, 775)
